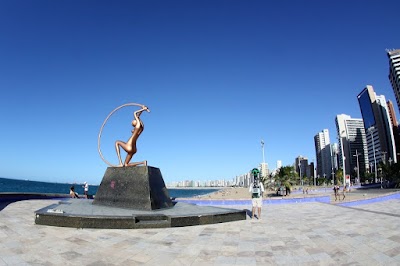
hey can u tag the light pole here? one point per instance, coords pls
(301, 181)
(263, 168)
(315, 178)
(333, 176)
(371, 131)
(343, 158)
(358, 167)
(314, 170)
(384, 156)
(262, 146)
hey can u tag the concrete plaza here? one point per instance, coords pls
(291, 234)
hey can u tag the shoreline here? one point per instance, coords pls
(199, 188)
(240, 193)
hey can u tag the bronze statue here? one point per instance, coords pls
(130, 145)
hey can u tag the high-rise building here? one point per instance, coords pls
(396, 129)
(311, 168)
(323, 154)
(394, 73)
(301, 166)
(342, 139)
(378, 128)
(335, 156)
(264, 171)
(354, 145)
(278, 164)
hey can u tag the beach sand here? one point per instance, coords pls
(243, 193)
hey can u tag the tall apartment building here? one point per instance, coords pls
(378, 127)
(396, 129)
(354, 142)
(335, 156)
(323, 154)
(301, 165)
(264, 171)
(312, 169)
(394, 73)
(278, 164)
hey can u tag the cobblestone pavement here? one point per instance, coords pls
(291, 234)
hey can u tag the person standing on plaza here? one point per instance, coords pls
(86, 188)
(256, 189)
(336, 191)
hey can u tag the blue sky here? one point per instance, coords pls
(218, 76)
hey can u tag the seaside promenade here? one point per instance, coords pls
(293, 234)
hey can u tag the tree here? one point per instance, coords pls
(391, 172)
(286, 175)
(339, 177)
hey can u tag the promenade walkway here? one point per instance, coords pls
(291, 234)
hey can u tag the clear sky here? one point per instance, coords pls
(218, 76)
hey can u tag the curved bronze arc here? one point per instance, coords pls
(102, 126)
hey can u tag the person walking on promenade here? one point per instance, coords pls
(336, 191)
(256, 189)
(344, 192)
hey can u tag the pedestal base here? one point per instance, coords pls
(138, 188)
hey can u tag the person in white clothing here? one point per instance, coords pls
(86, 187)
(256, 189)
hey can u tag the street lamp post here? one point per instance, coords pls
(263, 168)
(314, 170)
(358, 167)
(315, 178)
(262, 146)
(371, 130)
(343, 158)
(384, 156)
(301, 181)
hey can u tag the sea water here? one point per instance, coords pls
(27, 186)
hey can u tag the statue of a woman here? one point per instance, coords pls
(130, 145)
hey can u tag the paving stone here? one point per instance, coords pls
(291, 234)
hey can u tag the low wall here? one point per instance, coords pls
(371, 200)
(324, 199)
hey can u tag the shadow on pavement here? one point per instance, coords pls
(4, 204)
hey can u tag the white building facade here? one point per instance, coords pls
(323, 154)
(394, 73)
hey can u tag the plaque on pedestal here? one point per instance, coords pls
(138, 188)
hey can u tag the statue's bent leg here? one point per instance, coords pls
(128, 158)
(124, 146)
(138, 163)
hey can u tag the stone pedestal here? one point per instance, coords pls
(138, 188)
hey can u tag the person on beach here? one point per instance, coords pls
(256, 189)
(130, 146)
(86, 189)
(72, 192)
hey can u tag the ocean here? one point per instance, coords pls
(27, 186)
